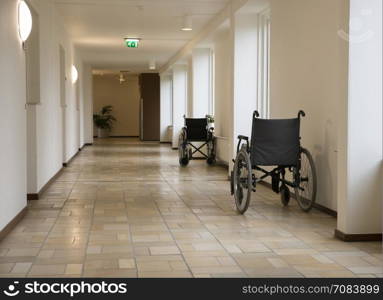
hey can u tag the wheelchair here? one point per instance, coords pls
(196, 130)
(274, 143)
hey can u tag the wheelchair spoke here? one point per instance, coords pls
(242, 181)
(306, 188)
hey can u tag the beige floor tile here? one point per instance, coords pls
(124, 208)
(47, 270)
(126, 263)
(164, 250)
(21, 268)
(73, 269)
(6, 267)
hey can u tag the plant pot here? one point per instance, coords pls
(102, 133)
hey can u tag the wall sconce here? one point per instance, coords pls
(74, 74)
(25, 21)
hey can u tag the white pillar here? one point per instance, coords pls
(87, 82)
(180, 80)
(201, 82)
(360, 137)
(166, 107)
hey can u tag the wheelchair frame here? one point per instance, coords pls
(186, 153)
(278, 175)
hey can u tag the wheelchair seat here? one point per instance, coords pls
(275, 142)
(196, 129)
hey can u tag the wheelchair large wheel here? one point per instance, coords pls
(182, 151)
(242, 181)
(306, 191)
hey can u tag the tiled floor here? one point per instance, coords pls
(126, 209)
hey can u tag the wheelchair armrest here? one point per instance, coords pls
(242, 137)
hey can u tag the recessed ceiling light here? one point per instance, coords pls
(152, 64)
(187, 23)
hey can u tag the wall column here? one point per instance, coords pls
(166, 107)
(180, 90)
(360, 135)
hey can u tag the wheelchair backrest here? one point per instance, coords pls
(275, 142)
(196, 129)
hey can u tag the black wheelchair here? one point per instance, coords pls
(196, 130)
(274, 143)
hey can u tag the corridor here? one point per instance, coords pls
(125, 208)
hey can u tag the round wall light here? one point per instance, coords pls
(25, 21)
(74, 74)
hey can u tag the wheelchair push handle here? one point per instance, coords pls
(301, 114)
(240, 139)
(256, 114)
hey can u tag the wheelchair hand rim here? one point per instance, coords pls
(306, 188)
(242, 181)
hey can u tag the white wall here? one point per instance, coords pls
(166, 108)
(180, 91)
(360, 195)
(49, 112)
(309, 72)
(222, 102)
(125, 99)
(13, 121)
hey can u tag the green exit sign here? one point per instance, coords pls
(132, 43)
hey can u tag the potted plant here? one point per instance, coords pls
(104, 121)
(210, 120)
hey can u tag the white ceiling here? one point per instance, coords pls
(98, 27)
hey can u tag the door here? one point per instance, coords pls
(150, 113)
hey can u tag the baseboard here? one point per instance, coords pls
(124, 136)
(32, 197)
(66, 164)
(368, 237)
(12, 224)
(319, 207)
(326, 210)
(119, 136)
(165, 142)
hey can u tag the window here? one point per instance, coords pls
(264, 64)
(211, 82)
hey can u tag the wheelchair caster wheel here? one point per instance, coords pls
(184, 161)
(210, 161)
(232, 183)
(285, 195)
